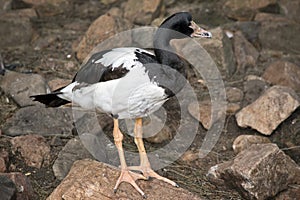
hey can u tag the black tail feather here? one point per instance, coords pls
(50, 100)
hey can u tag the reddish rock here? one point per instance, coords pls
(243, 142)
(101, 29)
(33, 149)
(269, 110)
(58, 83)
(4, 157)
(283, 73)
(142, 12)
(94, 180)
(23, 185)
(260, 172)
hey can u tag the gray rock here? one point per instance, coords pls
(20, 86)
(24, 190)
(40, 120)
(33, 148)
(269, 110)
(291, 8)
(89, 179)
(254, 87)
(283, 73)
(72, 151)
(279, 29)
(245, 54)
(220, 48)
(7, 188)
(16, 28)
(260, 172)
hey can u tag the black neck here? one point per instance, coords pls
(164, 53)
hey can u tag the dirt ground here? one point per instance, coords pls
(50, 63)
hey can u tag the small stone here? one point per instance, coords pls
(243, 142)
(290, 8)
(4, 158)
(89, 179)
(24, 190)
(40, 120)
(33, 149)
(234, 94)
(72, 151)
(260, 172)
(8, 189)
(232, 108)
(20, 86)
(163, 135)
(142, 12)
(283, 73)
(269, 110)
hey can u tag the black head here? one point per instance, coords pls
(182, 22)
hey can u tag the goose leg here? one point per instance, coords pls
(145, 166)
(126, 175)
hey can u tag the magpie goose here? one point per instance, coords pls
(131, 83)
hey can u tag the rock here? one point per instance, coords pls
(46, 8)
(142, 12)
(290, 8)
(163, 135)
(291, 193)
(243, 142)
(8, 189)
(4, 158)
(260, 172)
(33, 148)
(40, 120)
(102, 28)
(245, 53)
(281, 30)
(43, 42)
(93, 180)
(232, 108)
(58, 83)
(254, 87)
(15, 29)
(22, 184)
(234, 94)
(269, 110)
(20, 86)
(221, 50)
(72, 151)
(202, 112)
(283, 73)
(245, 10)
(190, 156)
(107, 2)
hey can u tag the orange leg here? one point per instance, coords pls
(145, 166)
(126, 175)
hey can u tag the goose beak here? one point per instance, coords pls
(199, 32)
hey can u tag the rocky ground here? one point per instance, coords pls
(255, 46)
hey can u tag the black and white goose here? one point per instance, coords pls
(131, 83)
